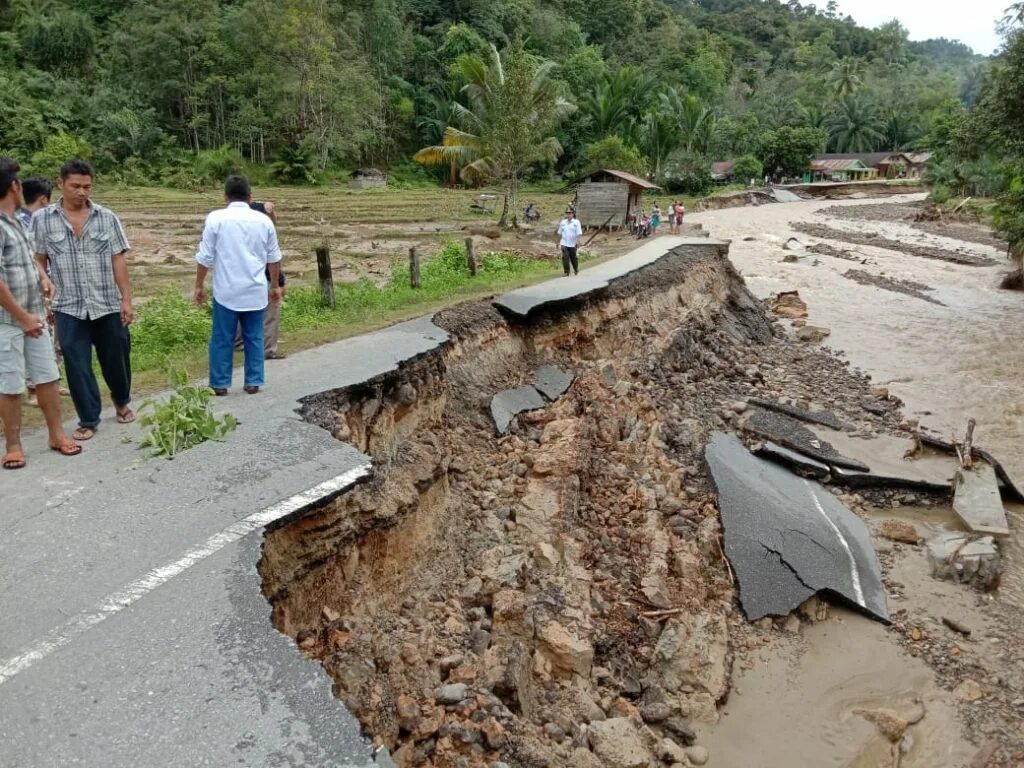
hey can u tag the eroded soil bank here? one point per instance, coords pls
(558, 596)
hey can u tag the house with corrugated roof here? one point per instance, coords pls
(860, 166)
(607, 197)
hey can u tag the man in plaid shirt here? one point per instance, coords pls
(25, 346)
(82, 246)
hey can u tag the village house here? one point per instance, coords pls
(606, 198)
(863, 166)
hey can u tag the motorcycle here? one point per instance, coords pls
(531, 214)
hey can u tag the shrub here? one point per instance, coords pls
(748, 167)
(688, 173)
(182, 421)
(166, 327)
(213, 166)
(295, 165)
(57, 149)
(612, 152)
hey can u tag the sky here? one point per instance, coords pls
(971, 21)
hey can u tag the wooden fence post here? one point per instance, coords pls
(470, 257)
(326, 275)
(414, 267)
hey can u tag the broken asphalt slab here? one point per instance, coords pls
(797, 462)
(825, 418)
(890, 462)
(506, 405)
(788, 432)
(977, 501)
(552, 382)
(520, 303)
(788, 538)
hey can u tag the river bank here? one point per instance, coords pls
(950, 352)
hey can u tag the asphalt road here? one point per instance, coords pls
(133, 632)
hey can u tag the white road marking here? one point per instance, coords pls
(854, 571)
(117, 601)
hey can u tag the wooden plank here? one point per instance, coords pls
(977, 502)
(326, 274)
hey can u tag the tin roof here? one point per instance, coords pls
(629, 178)
(838, 164)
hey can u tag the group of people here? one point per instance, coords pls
(64, 285)
(643, 224)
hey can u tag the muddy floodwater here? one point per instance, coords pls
(952, 352)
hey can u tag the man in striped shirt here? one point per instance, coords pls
(25, 347)
(82, 246)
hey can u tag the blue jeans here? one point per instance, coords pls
(222, 345)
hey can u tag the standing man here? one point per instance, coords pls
(82, 246)
(272, 318)
(569, 232)
(240, 246)
(25, 346)
(37, 192)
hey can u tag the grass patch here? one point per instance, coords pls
(170, 332)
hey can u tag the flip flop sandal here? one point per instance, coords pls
(14, 460)
(69, 448)
(126, 417)
(83, 433)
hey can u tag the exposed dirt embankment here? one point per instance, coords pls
(856, 189)
(557, 596)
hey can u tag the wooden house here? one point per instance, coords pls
(607, 197)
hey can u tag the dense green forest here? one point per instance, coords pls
(179, 91)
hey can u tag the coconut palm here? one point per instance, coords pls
(846, 77)
(854, 126)
(512, 104)
(614, 106)
(695, 122)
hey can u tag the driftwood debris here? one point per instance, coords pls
(965, 452)
(606, 223)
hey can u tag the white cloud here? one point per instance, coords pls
(973, 22)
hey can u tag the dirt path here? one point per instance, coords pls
(954, 357)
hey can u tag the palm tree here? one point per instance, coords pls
(695, 122)
(898, 131)
(435, 114)
(846, 77)
(503, 129)
(616, 103)
(854, 126)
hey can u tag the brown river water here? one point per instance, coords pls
(948, 363)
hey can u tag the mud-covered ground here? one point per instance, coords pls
(947, 361)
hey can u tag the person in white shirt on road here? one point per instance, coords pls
(569, 233)
(240, 246)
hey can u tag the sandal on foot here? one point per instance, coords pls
(127, 416)
(67, 448)
(14, 460)
(83, 433)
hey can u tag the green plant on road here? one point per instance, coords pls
(182, 421)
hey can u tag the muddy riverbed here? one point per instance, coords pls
(950, 352)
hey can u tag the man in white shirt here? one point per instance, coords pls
(569, 232)
(240, 246)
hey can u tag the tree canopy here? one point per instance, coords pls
(174, 91)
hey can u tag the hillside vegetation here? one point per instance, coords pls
(179, 92)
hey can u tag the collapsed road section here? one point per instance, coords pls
(539, 578)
